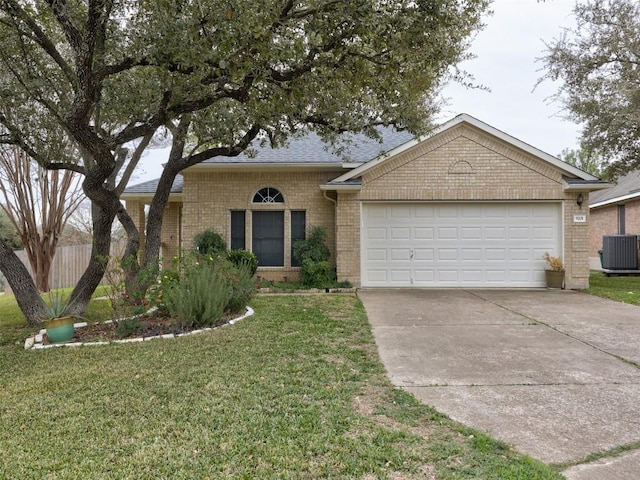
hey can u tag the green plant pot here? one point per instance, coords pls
(555, 279)
(60, 330)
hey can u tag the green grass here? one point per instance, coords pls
(622, 289)
(295, 392)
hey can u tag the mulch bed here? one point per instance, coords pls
(150, 325)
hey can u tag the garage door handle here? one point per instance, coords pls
(411, 255)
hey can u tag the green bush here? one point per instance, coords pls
(313, 256)
(316, 274)
(242, 285)
(127, 327)
(313, 247)
(200, 297)
(209, 243)
(244, 258)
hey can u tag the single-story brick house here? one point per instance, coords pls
(466, 206)
(614, 211)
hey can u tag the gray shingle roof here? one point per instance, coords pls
(311, 149)
(627, 185)
(152, 185)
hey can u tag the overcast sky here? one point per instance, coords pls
(505, 63)
(506, 52)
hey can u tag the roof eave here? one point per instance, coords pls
(148, 196)
(340, 188)
(613, 201)
(585, 187)
(255, 166)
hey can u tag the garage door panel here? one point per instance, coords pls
(495, 233)
(472, 276)
(400, 212)
(543, 233)
(400, 276)
(422, 276)
(519, 275)
(400, 233)
(447, 233)
(377, 254)
(447, 254)
(471, 233)
(400, 254)
(519, 233)
(472, 254)
(423, 254)
(458, 244)
(379, 233)
(447, 277)
(423, 233)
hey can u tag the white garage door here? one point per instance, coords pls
(458, 244)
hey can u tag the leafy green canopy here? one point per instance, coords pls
(124, 68)
(599, 64)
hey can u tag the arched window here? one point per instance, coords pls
(268, 195)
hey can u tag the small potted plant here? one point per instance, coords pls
(555, 273)
(59, 325)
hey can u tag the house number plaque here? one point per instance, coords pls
(582, 218)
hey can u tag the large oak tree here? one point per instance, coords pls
(217, 74)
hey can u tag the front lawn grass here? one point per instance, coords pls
(296, 391)
(622, 289)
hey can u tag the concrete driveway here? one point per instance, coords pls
(554, 373)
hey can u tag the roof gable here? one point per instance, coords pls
(453, 123)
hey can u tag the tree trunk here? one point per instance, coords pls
(25, 291)
(139, 276)
(100, 251)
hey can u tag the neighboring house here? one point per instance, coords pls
(466, 206)
(614, 211)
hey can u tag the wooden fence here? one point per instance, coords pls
(68, 265)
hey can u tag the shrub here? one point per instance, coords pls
(200, 297)
(313, 247)
(166, 280)
(242, 285)
(316, 274)
(244, 258)
(209, 243)
(127, 327)
(313, 256)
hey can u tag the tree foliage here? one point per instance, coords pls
(585, 159)
(217, 75)
(598, 62)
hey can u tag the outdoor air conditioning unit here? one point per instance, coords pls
(620, 252)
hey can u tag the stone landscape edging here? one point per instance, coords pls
(36, 342)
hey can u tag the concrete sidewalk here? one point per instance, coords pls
(554, 373)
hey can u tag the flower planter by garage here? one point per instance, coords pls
(555, 278)
(60, 329)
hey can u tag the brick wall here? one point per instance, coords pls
(171, 233)
(209, 197)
